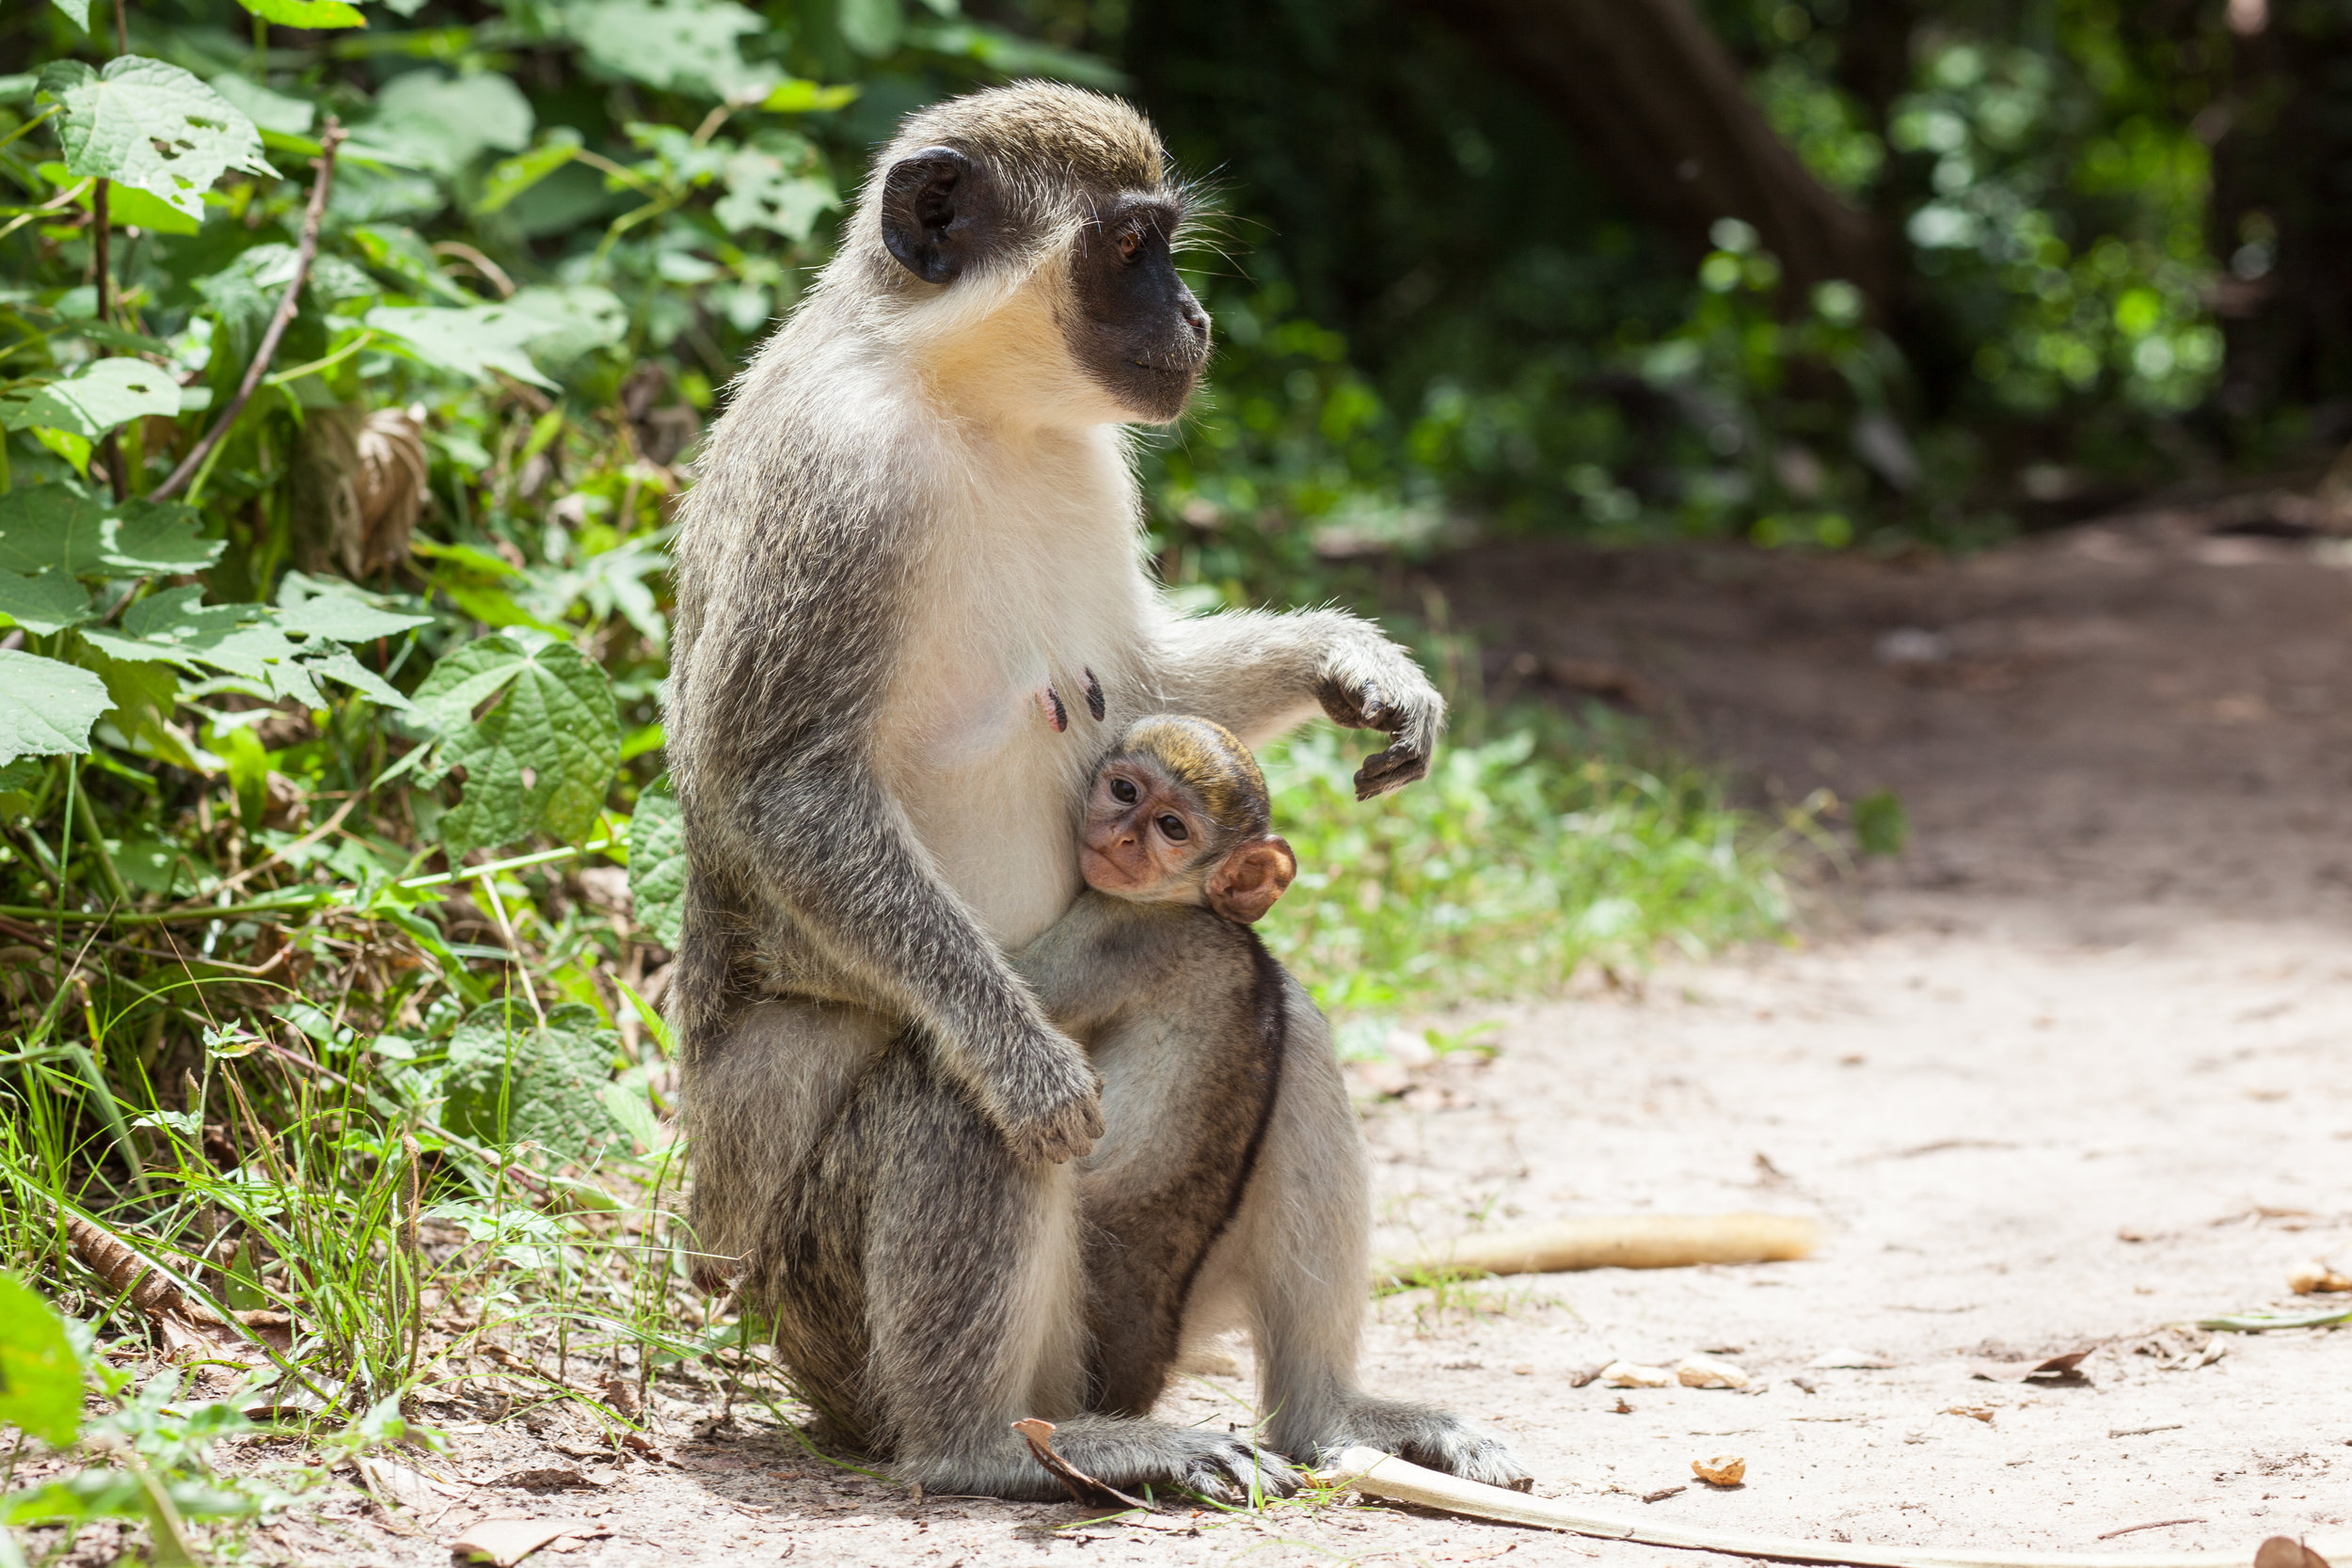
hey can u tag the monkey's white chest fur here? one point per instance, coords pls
(1031, 580)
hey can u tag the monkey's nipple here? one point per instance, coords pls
(1050, 700)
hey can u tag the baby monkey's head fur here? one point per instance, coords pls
(1028, 224)
(1177, 814)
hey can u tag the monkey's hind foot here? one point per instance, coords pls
(1436, 1438)
(1131, 1455)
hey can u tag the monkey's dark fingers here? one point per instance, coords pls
(1404, 761)
(1356, 705)
(1230, 1473)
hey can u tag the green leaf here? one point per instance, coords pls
(794, 96)
(445, 123)
(76, 12)
(339, 665)
(764, 191)
(542, 759)
(47, 526)
(174, 626)
(144, 697)
(510, 176)
(73, 449)
(872, 27)
(682, 46)
(345, 618)
(305, 13)
(656, 864)
(268, 111)
(40, 1383)
(95, 399)
(145, 123)
(557, 323)
(46, 706)
(509, 1080)
(127, 206)
(1881, 826)
(46, 604)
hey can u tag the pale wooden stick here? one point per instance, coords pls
(1616, 1242)
(1379, 1475)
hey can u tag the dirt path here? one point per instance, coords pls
(2072, 1070)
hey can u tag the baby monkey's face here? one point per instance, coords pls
(1144, 833)
(1150, 839)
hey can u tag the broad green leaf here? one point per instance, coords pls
(656, 864)
(95, 399)
(76, 12)
(40, 1383)
(127, 206)
(542, 760)
(145, 123)
(767, 189)
(47, 708)
(241, 639)
(48, 526)
(682, 46)
(573, 319)
(510, 176)
(345, 619)
(305, 13)
(73, 449)
(268, 110)
(468, 343)
(445, 123)
(872, 27)
(794, 96)
(509, 1080)
(1011, 54)
(339, 665)
(144, 697)
(46, 604)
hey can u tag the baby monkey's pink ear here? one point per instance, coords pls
(1251, 879)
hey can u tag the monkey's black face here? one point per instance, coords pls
(1137, 329)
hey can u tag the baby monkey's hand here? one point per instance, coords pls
(1052, 1112)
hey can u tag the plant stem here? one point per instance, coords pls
(102, 229)
(123, 30)
(288, 305)
(87, 815)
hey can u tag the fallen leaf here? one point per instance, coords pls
(396, 1485)
(1708, 1371)
(1627, 1375)
(1580, 1376)
(2281, 1551)
(1847, 1356)
(1622, 1408)
(2057, 1368)
(2316, 1277)
(1664, 1492)
(503, 1542)
(1976, 1412)
(1722, 1470)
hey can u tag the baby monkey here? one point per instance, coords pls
(1183, 1013)
(1204, 1043)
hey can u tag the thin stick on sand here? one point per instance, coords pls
(1379, 1475)
(1614, 1241)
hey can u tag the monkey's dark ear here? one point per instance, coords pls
(939, 211)
(1251, 879)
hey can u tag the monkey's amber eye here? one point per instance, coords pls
(1173, 826)
(1123, 791)
(1129, 242)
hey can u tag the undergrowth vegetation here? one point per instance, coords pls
(337, 884)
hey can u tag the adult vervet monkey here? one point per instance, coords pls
(911, 614)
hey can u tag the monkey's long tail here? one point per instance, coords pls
(1379, 1475)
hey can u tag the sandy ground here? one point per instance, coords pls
(2072, 1070)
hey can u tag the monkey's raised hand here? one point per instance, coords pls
(1375, 686)
(1048, 1103)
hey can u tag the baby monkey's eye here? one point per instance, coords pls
(1173, 826)
(1124, 792)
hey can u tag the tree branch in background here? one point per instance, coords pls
(289, 305)
(102, 265)
(1660, 105)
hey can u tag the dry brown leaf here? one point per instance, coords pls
(1627, 1374)
(2281, 1551)
(1040, 1436)
(1708, 1371)
(1976, 1412)
(2316, 1277)
(545, 1477)
(397, 1486)
(1725, 1469)
(503, 1542)
(2057, 1368)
